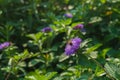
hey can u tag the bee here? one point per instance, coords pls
(70, 42)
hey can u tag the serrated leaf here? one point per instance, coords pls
(112, 70)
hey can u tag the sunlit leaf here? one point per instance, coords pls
(91, 49)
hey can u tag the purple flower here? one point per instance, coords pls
(72, 46)
(68, 15)
(4, 45)
(79, 26)
(46, 29)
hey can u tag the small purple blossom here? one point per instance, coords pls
(46, 29)
(79, 26)
(4, 45)
(68, 15)
(72, 46)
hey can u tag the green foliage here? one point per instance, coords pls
(113, 68)
(91, 49)
(37, 55)
(36, 76)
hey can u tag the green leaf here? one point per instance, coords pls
(94, 54)
(103, 1)
(35, 37)
(99, 71)
(74, 24)
(38, 35)
(104, 52)
(33, 62)
(66, 74)
(67, 21)
(84, 43)
(91, 49)
(61, 66)
(84, 61)
(32, 36)
(37, 76)
(54, 48)
(84, 77)
(63, 57)
(22, 55)
(113, 70)
(50, 75)
(58, 78)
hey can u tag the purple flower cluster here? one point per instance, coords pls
(79, 26)
(46, 29)
(4, 45)
(72, 46)
(68, 15)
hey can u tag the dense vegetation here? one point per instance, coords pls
(59, 39)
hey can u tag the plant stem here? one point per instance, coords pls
(7, 76)
(76, 58)
(100, 66)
